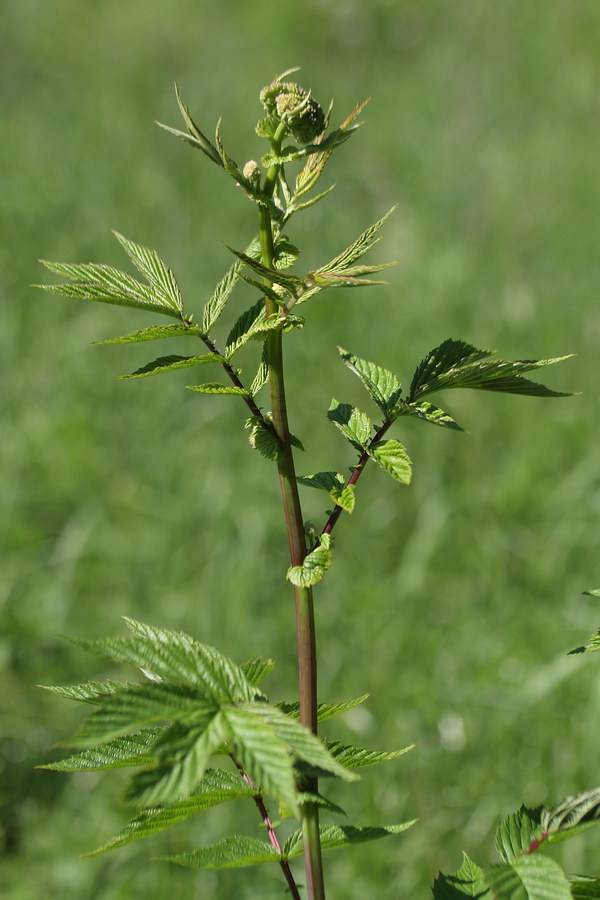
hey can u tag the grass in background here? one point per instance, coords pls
(483, 127)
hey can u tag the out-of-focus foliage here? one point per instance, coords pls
(483, 127)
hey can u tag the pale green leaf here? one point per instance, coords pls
(262, 375)
(290, 282)
(155, 333)
(528, 878)
(334, 836)
(171, 363)
(313, 568)
(263, 438)
(428, 412)
(354, 424)
(159, 275)
(356, 250)
(217, 786)
(131, 750)
(90, 692)
(215, 387)
(571, 811)
(229, 853)
(358, 758)
(392, 457)
(324, 710)
(219, 298)
(344, 497)
(245, 327)
(592, 647)
(285, 255)
(197, 138)
(593, 593)
(262, 754)
(517, 832)
(382, 385)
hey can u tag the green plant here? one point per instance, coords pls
(195, 702)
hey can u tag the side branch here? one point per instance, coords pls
(234, 377)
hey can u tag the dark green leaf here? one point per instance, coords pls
(572, 811)
(427, 411)
(324, 710)
(170, 363)
(155, 333)
(257, 669)
(584, 888)
(467, 882)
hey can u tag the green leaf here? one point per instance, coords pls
(158, 275)
(219, 298)
(356, 250)
(594, 593)
(245, 327)
(262, 375)
(299, 740)
(106, 285)
(382, 385)
(90, 692)
(155, 333)
(174, 656)
(528, 878)
(357, 757)
(467, 882)
(286, 254)
(170, 363)
(354, 424)
(571, 812)
(392, 457)
(290, 282)
(262, 754)
(257, 669)
(518, 832)
(344, 497)
(215, 387)
(334, 836)
(264, 439)
(592, 647)
(194, 136)
(428, 412)
(455, 364)
(184, 754)
(230, 853)
(583, 888)
(324, 710)
(323, 481)
(141, 705)
(314, 566)
(132, 750)
(217, 786)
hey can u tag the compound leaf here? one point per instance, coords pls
(156, 272)
(356, 250)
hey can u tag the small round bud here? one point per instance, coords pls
(293, 105)
(251, 170)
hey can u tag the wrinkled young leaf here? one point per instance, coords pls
(257, 669)
(428, 412)
(466, 882)
(215, 387)
(230, 853)
(354, 424)
(219, 298)
(534, 877)
(324, 710)
(264, 439)
(572, 812)
(171, 363)
(155, 333)
(314, 566)
(131, 750)
(382, 385)
(455, 364)
(217, 786)
(517, 832)
(344, 497)
(290, 282)
(392, 457)
(323, 481)
(286, 254)
(155, 271)
(334, 836)
(262, 375)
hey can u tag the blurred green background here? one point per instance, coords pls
(454, 601)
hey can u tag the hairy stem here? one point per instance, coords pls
(305, 620)
(268, 823)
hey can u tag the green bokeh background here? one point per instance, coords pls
(454, 601)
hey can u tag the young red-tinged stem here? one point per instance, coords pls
(305, 620)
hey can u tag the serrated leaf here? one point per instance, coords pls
(528, 878)
(592, 647)
(357, 757)
(215, 387)
(131, 750)
(382, 385)
(392, 457)
(466, 882)
(156, 272)
(572, 811)
(290, 282)
(90, 692)
(184, 756)
(264, 439)
(141, 705)
(334, 836)
(106, 285)
(313, 568)
(220, 296)
(262, 375)
(196, 137)
(170, 363)
(517, 832)
(427, 411)
(285, 255)
(230, 853)
(243, 326)
(299, 740)
(363, 243)
(323, 481)
(455, 364)
(154, 333)
(257, 669)
(583, 888)
(354, 424)
(324, 710)
(262, 754)
(344, 497)
(217, 786)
